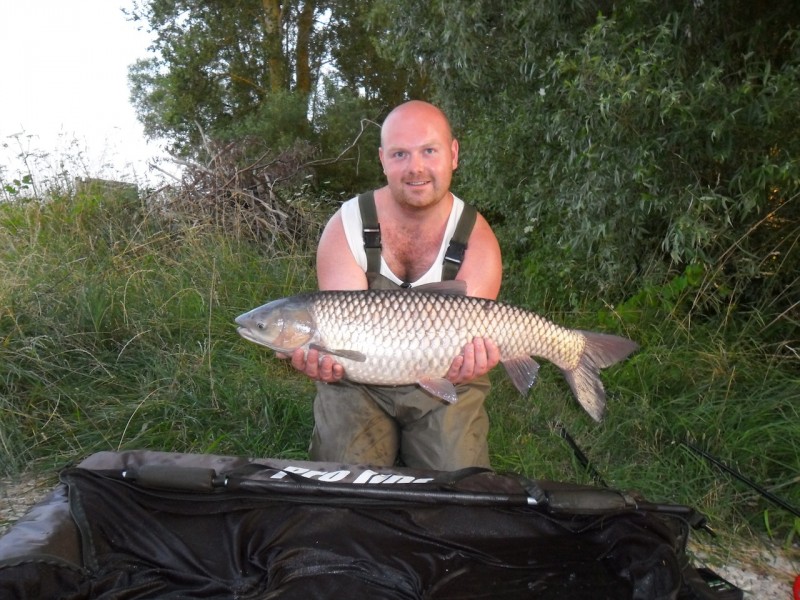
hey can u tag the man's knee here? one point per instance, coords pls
(350, 428)
(451, 437)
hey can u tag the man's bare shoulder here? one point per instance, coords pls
(482, 269)
(337, 268)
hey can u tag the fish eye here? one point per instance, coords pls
(261, 325)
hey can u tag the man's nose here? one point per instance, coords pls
(415, 162)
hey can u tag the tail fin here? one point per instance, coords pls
(601, 351)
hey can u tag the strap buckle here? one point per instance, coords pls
(372, 237)
(455, 252)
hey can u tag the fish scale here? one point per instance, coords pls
(399, 337)
(406, 336)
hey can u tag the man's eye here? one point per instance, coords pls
(399, 154)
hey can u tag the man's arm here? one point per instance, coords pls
(482, 271)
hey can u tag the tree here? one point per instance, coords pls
(216, 63)
(623, 148)
(357, 26)
(275, 70)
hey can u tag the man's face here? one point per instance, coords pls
(418, 155)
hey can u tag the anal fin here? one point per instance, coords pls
(523, 371)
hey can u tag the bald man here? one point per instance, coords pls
(418, 219)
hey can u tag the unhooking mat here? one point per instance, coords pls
(145, 524)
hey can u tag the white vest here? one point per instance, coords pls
(351, 220)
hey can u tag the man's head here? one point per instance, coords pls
(418, 153)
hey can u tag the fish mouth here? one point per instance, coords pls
(251, 337)
(245, 333)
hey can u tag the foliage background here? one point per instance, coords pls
(638, 162)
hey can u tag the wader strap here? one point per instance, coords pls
(371, 234)
(458, 243)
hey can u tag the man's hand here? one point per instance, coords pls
(478, 358)
(324, 369)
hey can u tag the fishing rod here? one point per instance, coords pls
(746, 480)
(562, 431)
(696, 519)
(554, 500)
(559, 427)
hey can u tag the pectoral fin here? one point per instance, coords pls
(349, 354)
(439, 387)
(523, 371)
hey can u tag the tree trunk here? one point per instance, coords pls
(305, 23)
(273, 25)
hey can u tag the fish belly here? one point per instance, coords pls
(403, 342)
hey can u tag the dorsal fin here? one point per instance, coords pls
(455, 287)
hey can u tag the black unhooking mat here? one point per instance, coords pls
(157, 525)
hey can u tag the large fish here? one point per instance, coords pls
(397, 337)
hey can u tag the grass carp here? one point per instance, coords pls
(398, 337)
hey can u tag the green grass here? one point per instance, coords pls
(120, 336)
(721, 393)
(116, 332)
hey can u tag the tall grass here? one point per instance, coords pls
(716, 388)
(116, 332)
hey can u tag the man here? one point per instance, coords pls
(417, 216)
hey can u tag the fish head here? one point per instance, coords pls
(283, 325)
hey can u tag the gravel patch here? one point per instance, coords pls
(764, 570)
(16, 497)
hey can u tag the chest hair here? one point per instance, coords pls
(411, 253)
